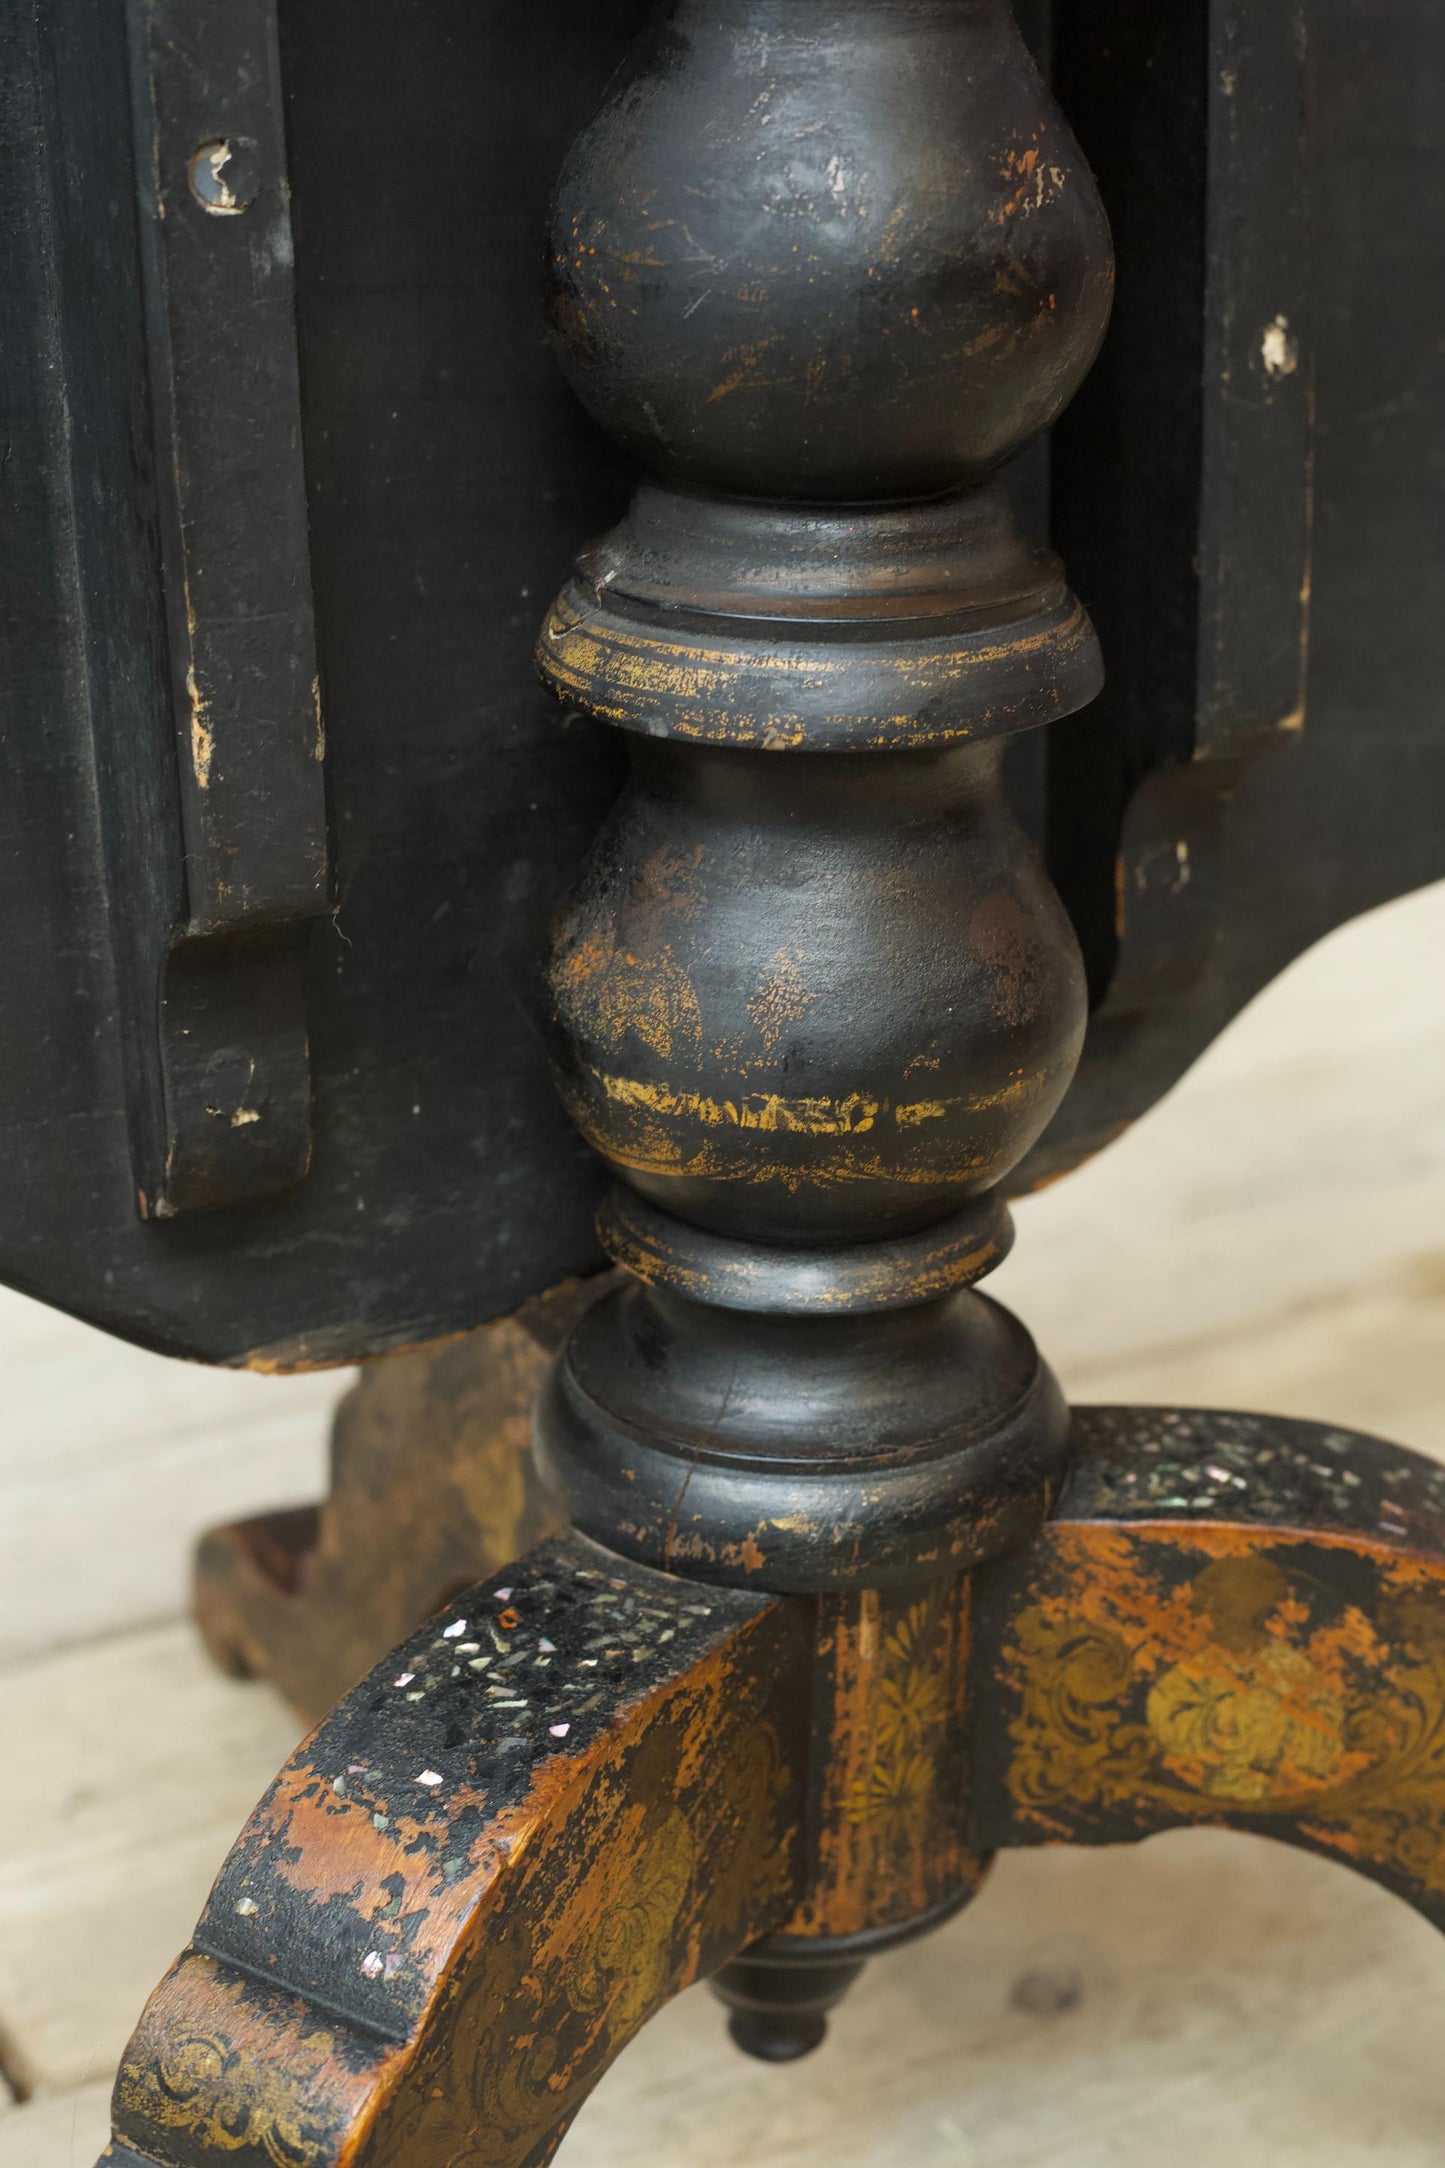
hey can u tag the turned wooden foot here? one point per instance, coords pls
(1232, 1619)
(432, 1484)
(567, 1796)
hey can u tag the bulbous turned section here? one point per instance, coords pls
(821, 267)
(814, 998)
(802, 1453)
(828, 249)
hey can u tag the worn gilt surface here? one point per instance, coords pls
(890, 1807)
(570, 1794)
(1248, 1627)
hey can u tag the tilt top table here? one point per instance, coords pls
(839, 1597)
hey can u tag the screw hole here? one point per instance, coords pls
(219, 179)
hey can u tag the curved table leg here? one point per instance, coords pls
(1233, 1619)
(573, 1792)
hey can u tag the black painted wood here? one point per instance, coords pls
(448, 470)
(450, 476)
(218, 1000)
(1249, 158)
(813, 996)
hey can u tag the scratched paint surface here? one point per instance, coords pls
(856, 309)
(565, 1797)
(740, 1002)
(971, 685)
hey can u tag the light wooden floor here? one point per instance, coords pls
(1273, 1236)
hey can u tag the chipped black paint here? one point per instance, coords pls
(576, 1789)
(481, 1707)
(1151, 1463)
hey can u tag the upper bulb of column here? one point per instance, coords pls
(839, 250)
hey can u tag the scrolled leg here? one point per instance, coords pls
(570, 1794)
(1233, 1619)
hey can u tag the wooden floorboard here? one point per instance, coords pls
(1223, 2002)
(129, 1766)
(112, 1458)
(67, 2131)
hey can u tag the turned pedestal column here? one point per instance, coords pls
(822, 269)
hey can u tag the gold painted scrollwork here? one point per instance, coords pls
(1233, 1692)
(911, 1702)
(604, 1928)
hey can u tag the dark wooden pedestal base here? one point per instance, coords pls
(584, 1784)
